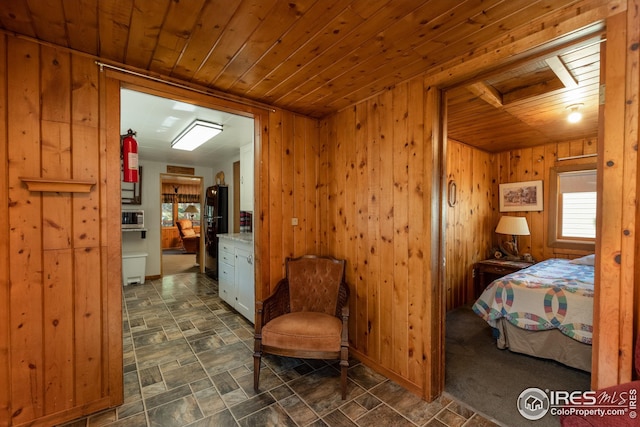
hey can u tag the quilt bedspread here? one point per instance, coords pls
(554, 293)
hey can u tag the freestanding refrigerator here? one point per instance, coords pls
(216, 221)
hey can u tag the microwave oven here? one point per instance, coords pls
(133, 219)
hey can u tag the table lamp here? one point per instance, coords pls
(515, 226)
(191, 210)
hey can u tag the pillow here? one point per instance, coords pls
(585, 260)
(189, 232)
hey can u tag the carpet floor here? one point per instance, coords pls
(490, 380)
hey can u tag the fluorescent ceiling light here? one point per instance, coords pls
(196, 134)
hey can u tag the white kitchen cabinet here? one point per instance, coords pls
(236, 275)
(246, 177)
(226, 271)
(245, 295)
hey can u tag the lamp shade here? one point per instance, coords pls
(514, 225)
(191, 209)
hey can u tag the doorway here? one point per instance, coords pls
(505, 127)
(180, 196)
(158, 119)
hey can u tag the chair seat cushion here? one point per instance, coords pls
(189, 232)
(303, 330)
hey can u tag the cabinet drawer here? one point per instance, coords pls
(226, 274)
(496, 269)
(224, 246)
(227, 257)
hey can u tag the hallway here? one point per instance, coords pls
(188, 362)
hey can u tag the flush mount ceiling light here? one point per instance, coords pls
(574, 113)
(196, 134)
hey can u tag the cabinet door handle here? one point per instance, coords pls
(250, 259)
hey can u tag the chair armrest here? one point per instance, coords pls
(274, 305)
(343, 300)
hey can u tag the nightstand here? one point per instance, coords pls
(485, 272)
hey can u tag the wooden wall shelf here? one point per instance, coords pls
(58, 185)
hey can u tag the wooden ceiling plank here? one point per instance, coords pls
(265, 38)
(113, 28)
(48, 20)
(491, 24)
(576, 24)
(244, 22)
(364, 33)
(82, 25)
(15, 17)
(561, 28)
(174, 34)
(487, 93)
(532, 90)
(381, 54)
(146, 21)
(322, 40)
(294, 42)
(562, 72)
(204, 37)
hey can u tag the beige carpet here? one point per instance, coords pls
(173, 263)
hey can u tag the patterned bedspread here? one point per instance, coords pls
(554, 293)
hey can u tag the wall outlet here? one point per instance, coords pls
(294, 221)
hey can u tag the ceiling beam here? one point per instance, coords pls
(487, 93)
(560, 70)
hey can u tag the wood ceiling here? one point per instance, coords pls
(309, 56)
(528, 105)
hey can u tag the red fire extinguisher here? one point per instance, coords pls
(130, 157)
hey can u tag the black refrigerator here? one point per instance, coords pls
(216, 221)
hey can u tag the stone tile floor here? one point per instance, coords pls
(188, 362)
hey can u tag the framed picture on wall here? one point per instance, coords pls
(521, 196)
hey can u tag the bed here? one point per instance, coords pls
(545, 310)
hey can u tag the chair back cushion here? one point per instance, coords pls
(314, 283)
(183, 224)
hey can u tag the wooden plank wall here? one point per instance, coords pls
(289, 182)
(532, 164)
(469, 223)
(616, 308)
(375, 194)
(60, 319)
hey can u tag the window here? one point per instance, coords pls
(167, 214)
(572, 214)
(177, 211)
(194, 216)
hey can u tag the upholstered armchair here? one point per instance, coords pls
(621, 394)
(306, 316)
(190, 239)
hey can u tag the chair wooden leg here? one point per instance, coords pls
(344, 365)
(256, 370)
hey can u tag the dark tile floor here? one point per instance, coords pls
(188, 362)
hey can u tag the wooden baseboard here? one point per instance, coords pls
(412, 387)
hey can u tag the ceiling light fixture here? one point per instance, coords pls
(574, 114)
(196, 134)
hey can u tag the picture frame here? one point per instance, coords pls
(521, 196)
